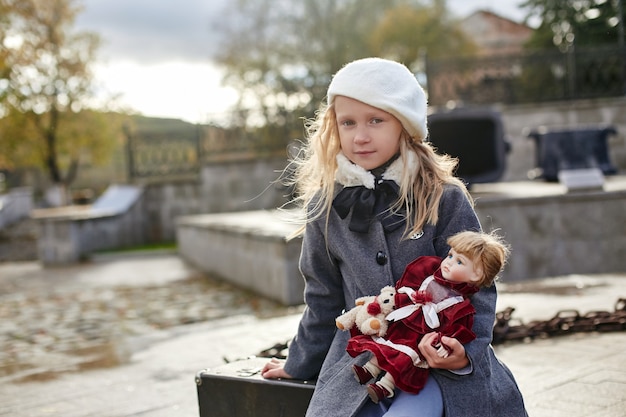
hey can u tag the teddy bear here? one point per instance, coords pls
(369, 313)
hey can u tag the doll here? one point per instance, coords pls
(432, 295)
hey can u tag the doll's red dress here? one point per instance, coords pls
(428, 303)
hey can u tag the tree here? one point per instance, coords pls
(280, 55)
(565, 23)
(45, 89)
(585, 32)
(407, 32)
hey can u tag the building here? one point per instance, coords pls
(495, 35)
(488, 77)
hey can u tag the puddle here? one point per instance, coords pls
(49, 331)
(96, 357)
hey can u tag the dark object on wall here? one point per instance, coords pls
(476, 138)
(573, 148)
(237, 389)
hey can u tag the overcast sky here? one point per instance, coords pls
(157, 54)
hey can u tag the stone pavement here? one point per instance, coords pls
(159, 355)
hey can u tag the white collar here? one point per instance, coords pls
(351, 175)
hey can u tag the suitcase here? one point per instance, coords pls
(236, 389)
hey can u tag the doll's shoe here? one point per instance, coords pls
(361, 374)
(378, 392)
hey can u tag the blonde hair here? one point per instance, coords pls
(488, 251)
(421, 189)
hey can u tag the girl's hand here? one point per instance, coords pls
(274, 370)
(455, 360)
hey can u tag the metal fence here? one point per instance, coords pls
(167, 153)
(529, 77)
(179, 152)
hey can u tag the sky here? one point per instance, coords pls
(156, 55)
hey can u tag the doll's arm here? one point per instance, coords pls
(456, 323)
(463, 358)
(459, 331)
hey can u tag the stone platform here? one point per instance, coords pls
(249, 249)
(71, 233)
(551, 231)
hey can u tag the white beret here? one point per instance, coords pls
(387, 85)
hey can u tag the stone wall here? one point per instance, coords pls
(552, 232)
(18, 233)
(221, 187)
(15, 205)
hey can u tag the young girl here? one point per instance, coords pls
(376, 197)
(432, 295)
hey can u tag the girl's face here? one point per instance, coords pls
(369, 136)
(459, 268)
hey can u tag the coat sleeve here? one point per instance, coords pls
(325, 301)
(484, 301)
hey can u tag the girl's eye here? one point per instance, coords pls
(375, 121)
(347, 123)
(449, 256)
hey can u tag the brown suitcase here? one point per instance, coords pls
(237, 389)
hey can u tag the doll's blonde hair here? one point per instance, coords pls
(488, 251)
(421, 189)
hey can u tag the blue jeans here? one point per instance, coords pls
(428, 403)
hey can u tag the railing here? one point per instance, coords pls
(527, 78)
(179, 152)
(162, 154)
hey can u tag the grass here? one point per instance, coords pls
(141, 248)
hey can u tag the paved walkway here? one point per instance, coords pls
(575, 376)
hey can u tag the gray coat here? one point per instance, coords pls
(359, 264)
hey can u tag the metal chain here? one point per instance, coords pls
(564, 322)
(278, 351)
(509, 329)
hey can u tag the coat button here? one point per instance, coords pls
(381, 258)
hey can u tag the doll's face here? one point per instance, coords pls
(369, 136)
(459, 268)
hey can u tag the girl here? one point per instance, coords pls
(376, 197)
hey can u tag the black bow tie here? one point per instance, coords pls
(366, 204)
